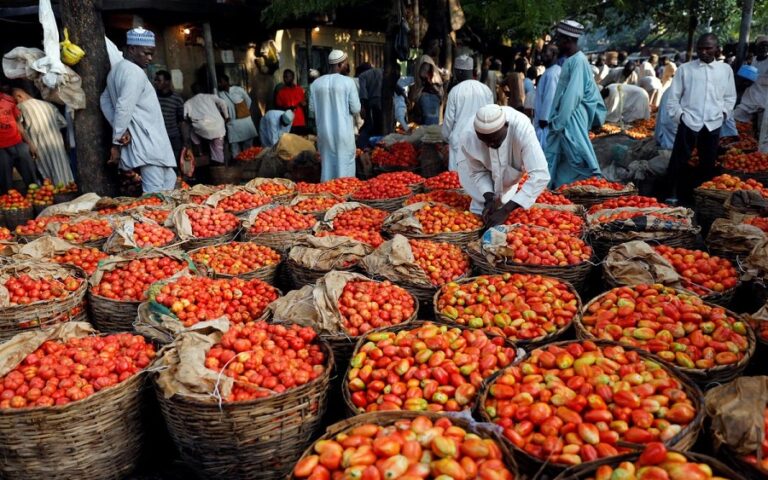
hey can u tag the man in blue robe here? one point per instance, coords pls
(545, 93)
(576, 108)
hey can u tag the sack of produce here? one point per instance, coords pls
(277, 226)
(312, 257)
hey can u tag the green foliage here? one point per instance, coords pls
(280, 11)
(515, 19)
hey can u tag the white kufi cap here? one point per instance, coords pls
(490, 119)
(140, 37)
(570, 28)
(336, 57)
(463, 62)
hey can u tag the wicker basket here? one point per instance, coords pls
(591, 199)
(225, 175)
(44, 313)
(96, 438)
(602, 242)
(195, 243)
(112, 316)
(588, 470)
(64, 197)
(258, 439)
(576, 275)
(301, 275)
(461, 239)
(710, 205)
(526, 344)
(682, 441)
(16, 217)
(362, 340)
(704, 378)
(38, 209)
(387, 204)
(265, 273)
(280, 241)
(389, 418)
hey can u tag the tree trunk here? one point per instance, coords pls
(86, 29)
(391, 70)
(693, 22)
(746, 22)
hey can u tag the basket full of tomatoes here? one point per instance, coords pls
(201, 226)
(710, 197)
(315, 203)
(591, 191)
(435, 221)
(281, 190)
(245, 401)
(277, 226)
(71, 403)
(245, 260)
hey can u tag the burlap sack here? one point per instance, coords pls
(83, 203)
(291, 145)
(324, 254)
(404, 221)
(140, 214)
(122, 237)
(338, 209)
(745, 202)
(394, 261)
(592, 190)
(736, 410)
(635, 263)
(41, 248)
(17, 348)
(738, 238)
(755, 266)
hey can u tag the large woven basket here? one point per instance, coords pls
(387, 204)
(280, 241)
(602, 242)
(14, 218)
(385, 419)
(64, 197)
(704, 378)
(523, 343)
(225, 175)
(461, 239)
(195, 243)
(258, 439)
(112, 316)
(301, 275)
(96, 438)
(710, 205)
(588, 200)
(265, 273)
(42, 314)
(682, 441)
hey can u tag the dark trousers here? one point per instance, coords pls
(16, 156)
(682, 176)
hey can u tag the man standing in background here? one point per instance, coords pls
(240, 129)
(292, 97)
(545, 93)
(172, 106)
(370, 100)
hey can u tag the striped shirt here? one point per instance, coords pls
(43, 124)
(172, 106)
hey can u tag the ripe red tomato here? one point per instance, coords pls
(282, 219)
(210, 222)
(365, 305)
(86, 258)
(445, 181)
(130, 281)
(444, 219)
(236, 258)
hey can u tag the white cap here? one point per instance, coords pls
(490, 119)
(463, 62)
(336, 57)
(313, 73)
(570, 28)
(140, 37)
(287, 117)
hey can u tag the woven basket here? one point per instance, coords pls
(761, 177)
(64, 197)
(576, 275)
(38, 209)
(28, 238)
(362, 340)
(258, 439)
(96, 438)
(388, 204)
(225, 175)
(526, 344)
(16, 217)
(280, 241)
(682, 441)
(704, 378)
(588, 200)
(195, 243)
(301, 275)
(385, 419)
(710, 205)
(112, 316)
(602, 242)
(265, 274)
(44, 313)
(588, 469)
(461, 239)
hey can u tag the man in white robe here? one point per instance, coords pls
(499, 149)
(336, 101)
(273, 125)
(130, 105)
(464, 100)
(545, 93)
(626, 103)
(208, 115)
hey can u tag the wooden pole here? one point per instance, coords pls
(86, 29)
(746, 22)
(308, 40)
(391, 69)
(210, 58)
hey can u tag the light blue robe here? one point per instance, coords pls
(577, 107)
(130, 103)
(271, 128)
(545, 95)
(335, 100)
(666, 127)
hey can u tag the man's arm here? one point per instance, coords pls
(25, 136)
(106, 107)
(353, 99)
(130, 83)
(729, 100)
(569, 101)
(450, 115)
(524, 144)
(479, 180)
(674, 110)
(547, 91)
(222, 106)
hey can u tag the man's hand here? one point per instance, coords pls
(126, 138)
(500, 215)
(490, 206)
(114, 155)
(543, 124)
(32, 151)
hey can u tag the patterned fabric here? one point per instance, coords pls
(43, 124)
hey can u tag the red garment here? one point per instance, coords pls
(9, 113)
(288, 97)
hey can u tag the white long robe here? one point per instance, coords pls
(483, 169)
(336, 101)
(464, 100)
(545, 94)
(627, 103)
(130, 103)
(238, 129)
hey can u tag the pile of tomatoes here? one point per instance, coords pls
(746, 162)
(129, 282)
(410, 449)
(453, 199)
(338, 186)
(365, 305)
(731, 183)
(635, 201)
(151, 235)
(595, 183)
(14, 200)
(266, 359)
(542, 246)
(242, 201)
(58, 373)
(552, 198)
(592, 399)
(702, 273)
(23, 289)
(427, 368)
(249, 154)
(275, 189)
(362, 224)
(656, 463)
(445, 181)
(37, 226)
(282, 219)
(629, 215)
(442, 262)
(197, 299)
(86, 258)
(444, 219)
(41, 195)
(677, 327)
(558, 220)
(5, 234)
(759, 222)
(236, 258)
(210, 222)
(159, 216)
(405, 178)
(316, 204)
(83, 231)
(381, 190)
(400, 154)
(763, 464)
(517, 306)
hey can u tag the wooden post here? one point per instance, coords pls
(86, 29)
(391, 69)
(746, 22)
(210, 58)
(308, 40)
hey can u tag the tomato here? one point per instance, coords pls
(236, 258)
(130, 280)
(399, 154)
(210, 222)
(444, 181)
(365, 305)
(281, 219)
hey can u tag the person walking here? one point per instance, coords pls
(172, 106)
(15, 148)
(240, 128)
(130, 105)
(464, 100)
(292, 97)
(576, 108)
(43, 124)
(336, 101)
(208, 115)
(545, 93)
(274, 124)
(702, 97)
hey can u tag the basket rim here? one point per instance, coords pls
(80, 292)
